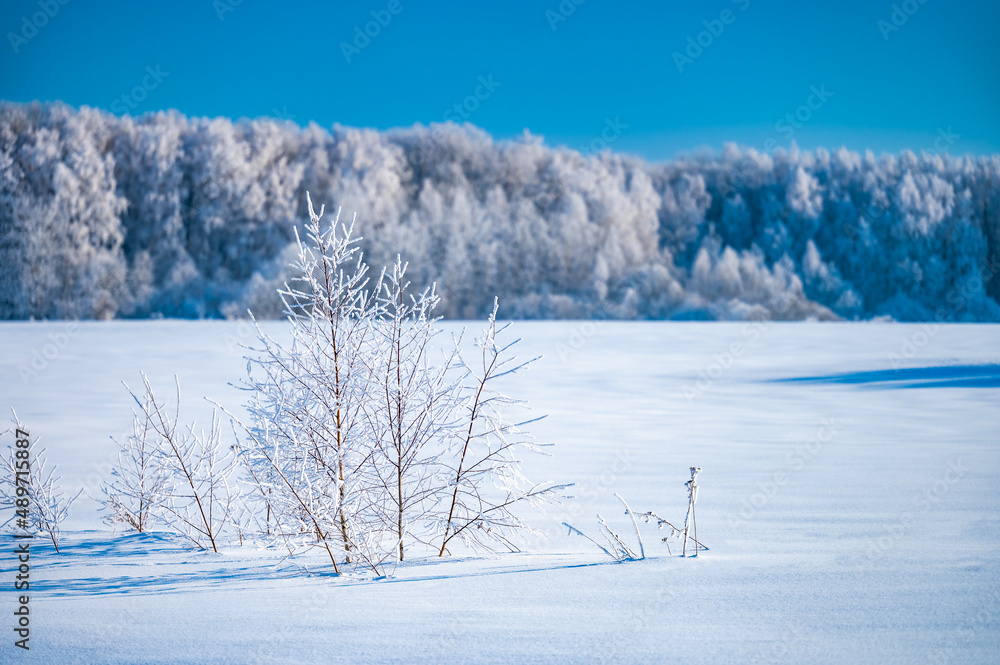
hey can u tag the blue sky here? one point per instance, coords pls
(929, 71)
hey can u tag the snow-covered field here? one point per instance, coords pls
(850, 497)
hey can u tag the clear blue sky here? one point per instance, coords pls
(607, 60)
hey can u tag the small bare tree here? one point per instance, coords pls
(198, 497)
(136, 492)
(618, 550)
(690, 528)
(50, 504)
(485, 480)
(689, 519)
(409, 410)
(304, 448)
(358, 441)
(33, 491)
(299, 512)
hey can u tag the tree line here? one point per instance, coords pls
(163, 215)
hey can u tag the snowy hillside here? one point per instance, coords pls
(849, 497)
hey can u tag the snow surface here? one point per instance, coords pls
(877, 542)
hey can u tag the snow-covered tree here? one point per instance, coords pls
(31, 490)
(484, 480)
(178, 478)
(137, 491)
(361, 441)
(408, 410)
(305, 447)
(103, 216)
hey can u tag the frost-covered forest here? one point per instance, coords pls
(104, 216)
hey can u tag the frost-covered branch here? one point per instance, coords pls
(410, 410)
(137, 490)
(197, 497)
(484, 455)
(32, 490)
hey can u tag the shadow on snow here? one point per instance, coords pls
(945, 376)
(99, 563)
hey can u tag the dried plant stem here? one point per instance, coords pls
(635, 525)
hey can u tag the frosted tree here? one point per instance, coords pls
(190, 474)
(49, 502)
(304, 448)
(149, 153)
(60, 229)
(103, 216)
(408, 410)
(485, 482)
(31, 489)
(352, 442)
(136, 493)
